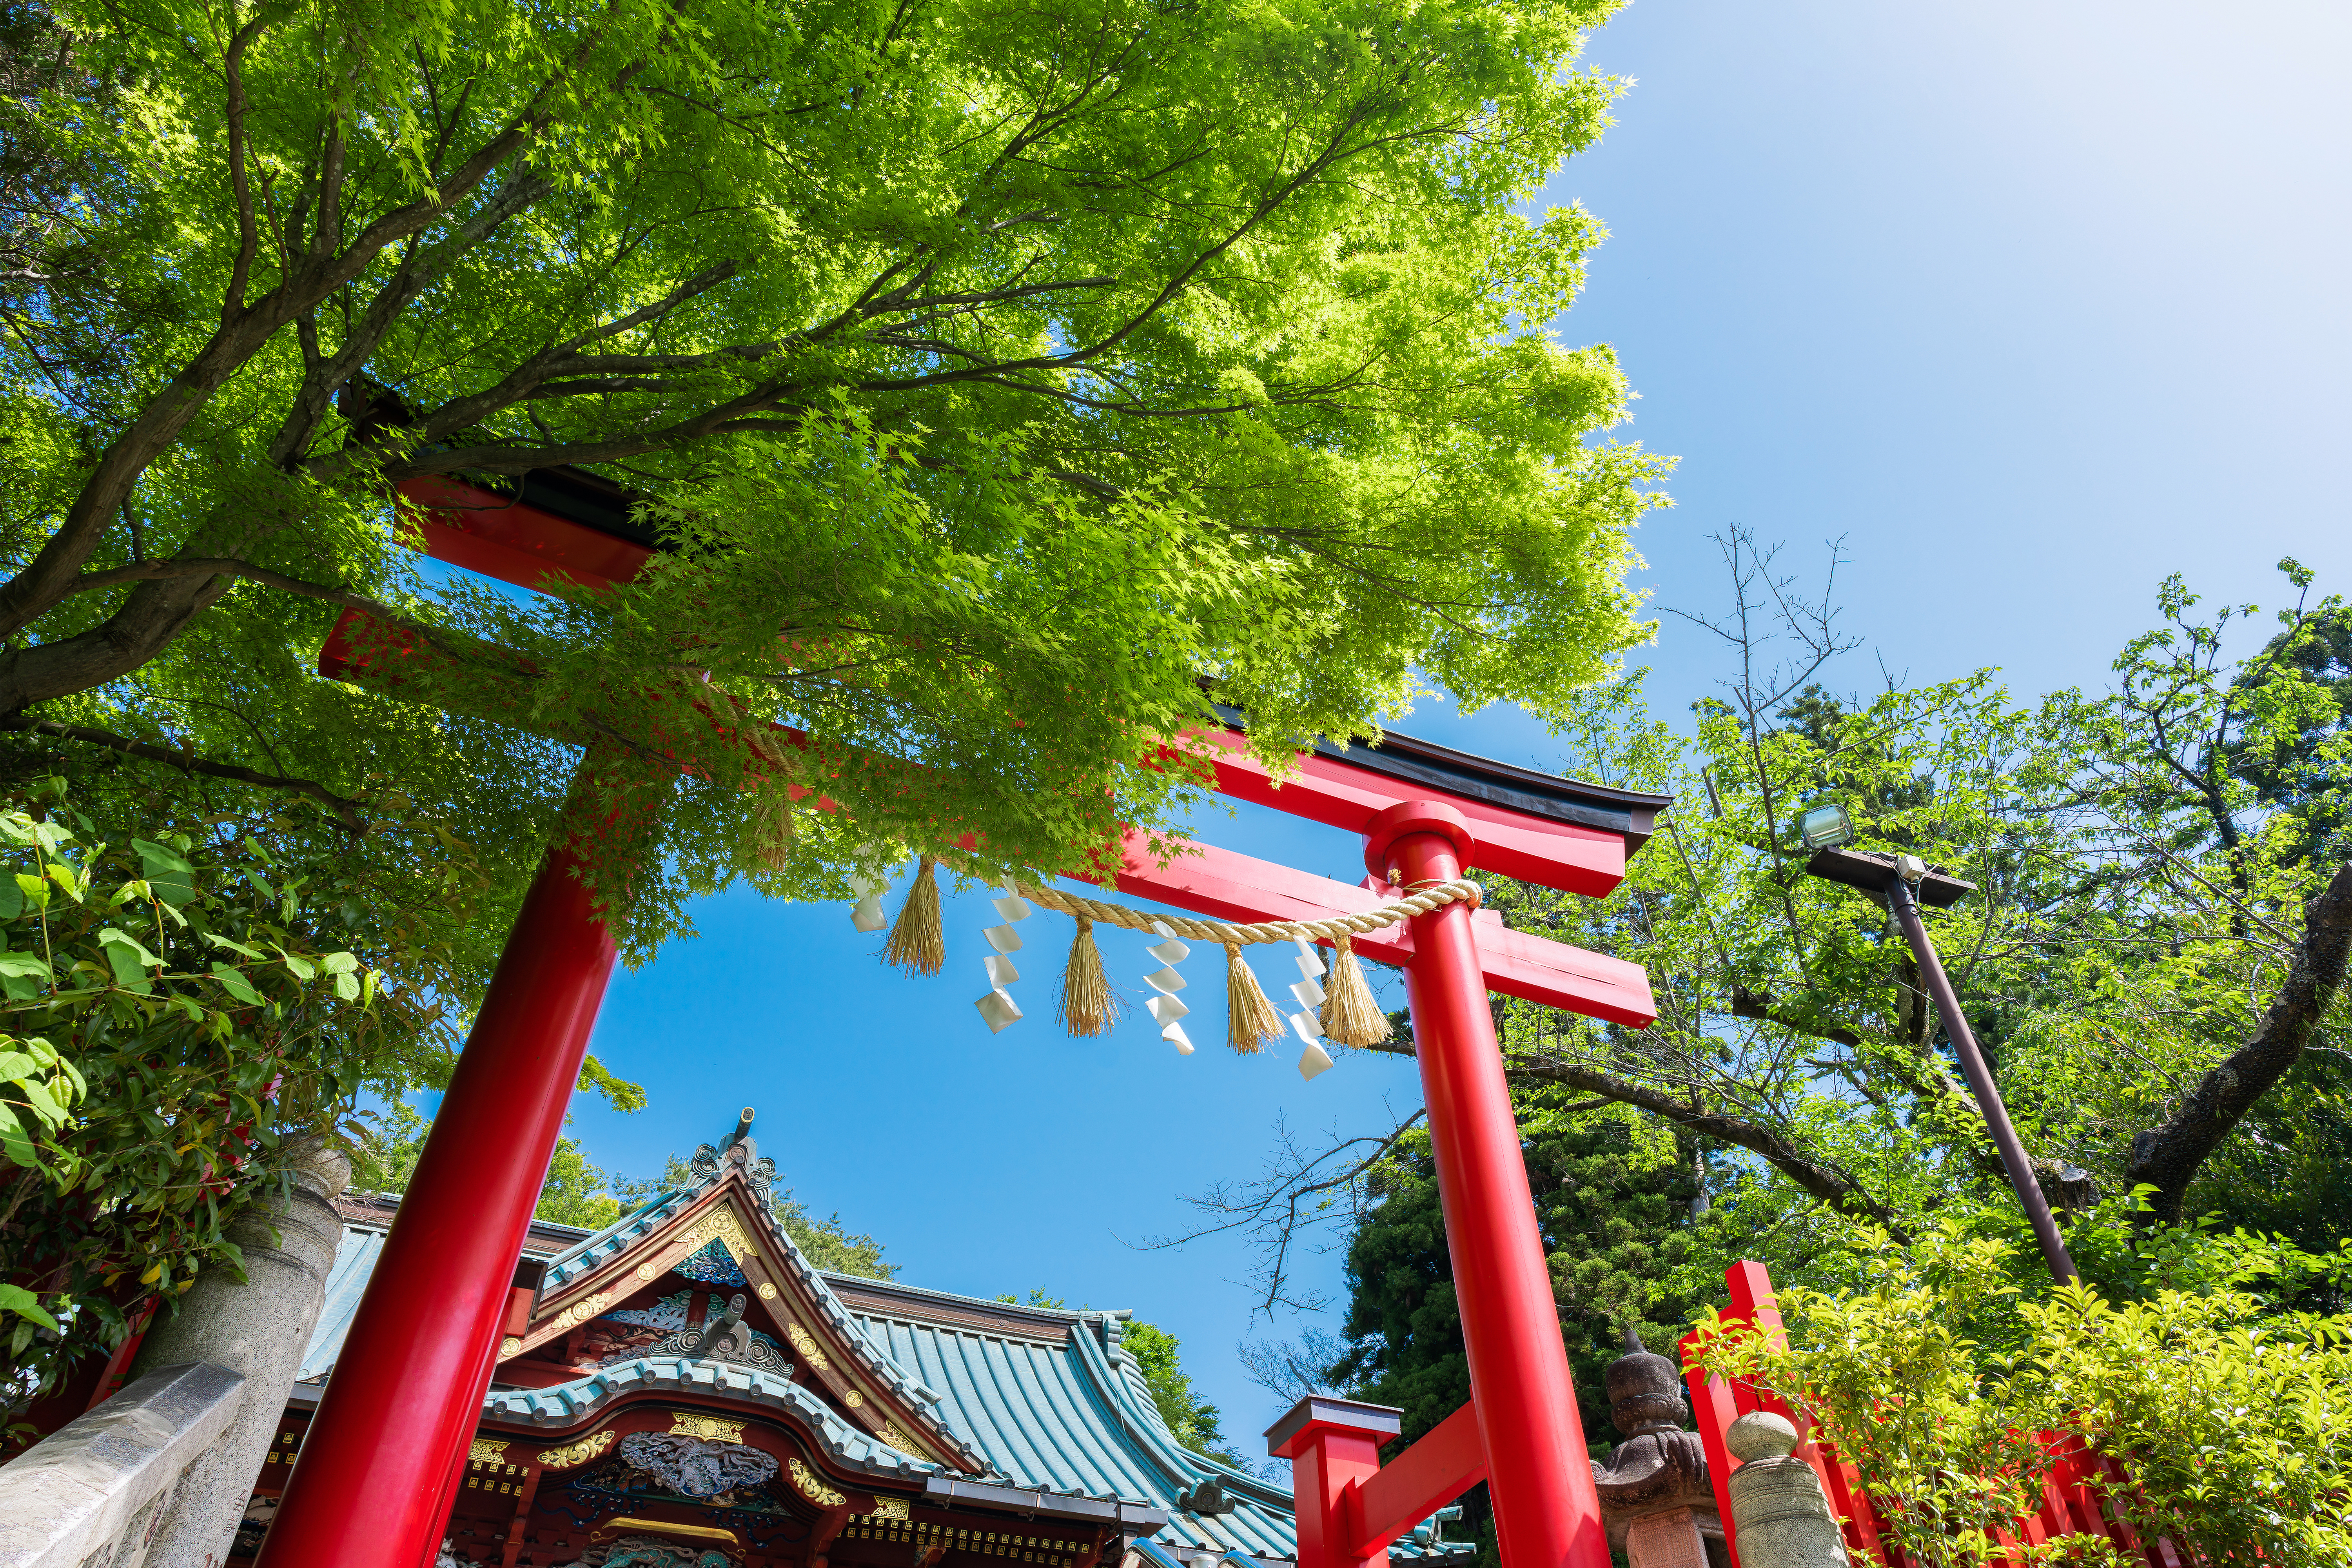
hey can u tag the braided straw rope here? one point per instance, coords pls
(1436, 896)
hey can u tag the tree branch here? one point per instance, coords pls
(222, 566)
(346, 809)
(240, 179)
(1831, 1185)
(2166, 1157)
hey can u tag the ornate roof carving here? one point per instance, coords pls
(732, 1203)
(571, 1405)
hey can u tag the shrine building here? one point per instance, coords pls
(682, 1389)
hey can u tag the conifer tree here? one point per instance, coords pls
(1614, 1196)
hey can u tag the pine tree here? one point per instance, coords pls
(1613, 1197)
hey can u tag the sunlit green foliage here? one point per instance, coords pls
(576, 1191)
(176, 1012)
(994, 375)
(1935, 1379)
(2140, 899)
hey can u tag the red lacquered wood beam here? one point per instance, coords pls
(1447, 1462)
(1573, 858)
(1220, 883)
(1546, 1512)
(1714, 1410)
(368, 1491)
(499, 537)
(1242, 890)
(1753, 1302)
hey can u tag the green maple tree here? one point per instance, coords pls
(990, 377)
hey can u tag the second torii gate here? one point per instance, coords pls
(372, 1488)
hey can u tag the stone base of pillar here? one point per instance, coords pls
(258, 1330)
(1783, 1517)
(1669, 1540)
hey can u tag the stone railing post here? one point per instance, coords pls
(1779, 1514)
(258, 1330)
(100, 1487)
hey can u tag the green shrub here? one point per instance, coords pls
(2228, 1412)
(173, 1018)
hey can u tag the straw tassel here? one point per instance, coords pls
(1089, 1005)
(917, 943)
(1349, 1014)
(772, 831)
(1251, 1020)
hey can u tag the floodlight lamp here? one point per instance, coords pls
(1826, 827)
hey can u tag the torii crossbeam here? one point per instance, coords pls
(378, 1466)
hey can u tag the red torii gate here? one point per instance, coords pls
(374, 1485)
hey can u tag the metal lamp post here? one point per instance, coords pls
(1905, 881)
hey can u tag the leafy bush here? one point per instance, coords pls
(172, 1018)
(2227, 1412)
(2232, 1420)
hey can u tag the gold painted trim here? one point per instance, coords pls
(689, 1424)
(805, 1343)
(809, 1486)
(580, 1452)
(722, 1223)
(582, 1310)
(485, 1450)
(767, 1292)
(889, 1508)
(664, 1527)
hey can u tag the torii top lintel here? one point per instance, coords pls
(1537, 827)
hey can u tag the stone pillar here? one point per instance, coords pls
(258, 1330)
(1780, 1514)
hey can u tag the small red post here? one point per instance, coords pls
(404, 1402)
(1331, 1443)
(1713, 1411)
(1546, 1514)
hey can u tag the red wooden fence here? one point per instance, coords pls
(2069, 1504)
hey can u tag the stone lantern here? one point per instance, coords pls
(1656, 1500)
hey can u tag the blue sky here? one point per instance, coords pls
(2031, 305)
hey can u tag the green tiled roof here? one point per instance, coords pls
(1048, 1400)
(567, 1403)
(1065, 1411)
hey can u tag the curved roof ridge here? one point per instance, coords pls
(880, 1360)
(910, 1390)
(565, 1404)
(617, 1237)
(1064, 1315)
(755, 1205)
(1117, 1367)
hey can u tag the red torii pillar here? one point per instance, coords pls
(369, 1490)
